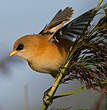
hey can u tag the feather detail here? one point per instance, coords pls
(58, 21)
(76, 27)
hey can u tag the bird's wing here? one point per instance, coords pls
(74, 28)
(58, 21)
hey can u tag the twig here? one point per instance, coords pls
(61, 74)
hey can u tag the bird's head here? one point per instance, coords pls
(25, 46)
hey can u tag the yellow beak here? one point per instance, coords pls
(13, 52)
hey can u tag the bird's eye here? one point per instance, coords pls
(20, 47)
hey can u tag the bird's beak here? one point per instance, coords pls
(13, 52)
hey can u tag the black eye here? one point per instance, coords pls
(20, 47)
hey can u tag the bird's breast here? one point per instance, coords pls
(48, 58)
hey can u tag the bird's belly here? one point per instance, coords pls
(48, 58)
(46, 65)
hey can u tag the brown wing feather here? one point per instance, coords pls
(74, 28)
(77, 26)
(58, 21)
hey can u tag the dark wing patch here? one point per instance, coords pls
(76, 27)
(58, 21)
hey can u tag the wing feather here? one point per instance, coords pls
(58, 21)
(74, 28)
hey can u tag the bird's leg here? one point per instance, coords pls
(67, 70)
(46, 98)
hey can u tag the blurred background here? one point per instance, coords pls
(22, 17)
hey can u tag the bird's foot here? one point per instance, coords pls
(67, 70)
(47, 98)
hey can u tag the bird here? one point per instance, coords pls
(46, 51)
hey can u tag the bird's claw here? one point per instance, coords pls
(47, 98)
(66, 70)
